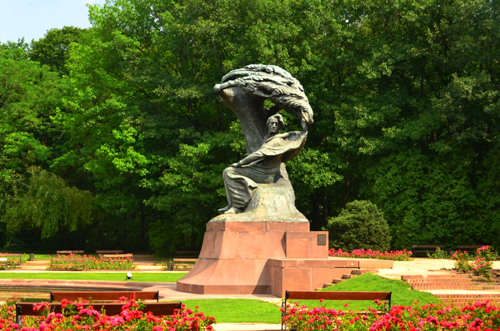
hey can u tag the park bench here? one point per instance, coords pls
(182, 263)
(468, 247)
(424, 249)
(8, 260)
(103, 295)
(157, 308)
(131, 256)
(71, 252)
(185, 259)
(317, 295)
(67, 264)
(110, 251)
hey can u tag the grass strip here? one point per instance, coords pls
(402, 294)
(237, 310)
(164, 277)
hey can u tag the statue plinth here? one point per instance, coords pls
(235, 256)
(266, 258)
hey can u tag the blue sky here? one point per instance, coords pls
(32, 18)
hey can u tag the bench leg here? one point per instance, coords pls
(283, 313)
(19, 320)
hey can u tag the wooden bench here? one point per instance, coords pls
(103, 295)
(317, 295)
(181, 263)
(7, 263)
(424, 249)
(71, 252)
(185, 259)
(468, 247)
(67, 264)
(111, 251)
(131, 256)
(157, 308)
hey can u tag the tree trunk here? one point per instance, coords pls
(347, 182)
(125, 231)
(99, 234)
(65, 238)
(315, 223)
(325, 211)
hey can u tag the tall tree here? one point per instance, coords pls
(53, 48)
(50, 205)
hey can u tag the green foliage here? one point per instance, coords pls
(360, 226)
(462, 263)
(439, 254)
(50, 205)
(52, 50)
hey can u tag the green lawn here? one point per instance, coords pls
(237, 310)
(402, 294)
(163, 277)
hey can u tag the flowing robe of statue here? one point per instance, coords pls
(240, 183)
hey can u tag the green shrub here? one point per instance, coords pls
(360, 225)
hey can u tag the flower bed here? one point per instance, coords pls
(82, 316)
(480, 264)
(403, 255)
(96, 263)
(478, 316)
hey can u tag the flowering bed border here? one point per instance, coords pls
(89, 262)
(403, 255)
(473, 317)
(334, 295)
(131, 315)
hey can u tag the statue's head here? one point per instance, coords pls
(275, 123)
(273, 83)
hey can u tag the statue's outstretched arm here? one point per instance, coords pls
(257, 155)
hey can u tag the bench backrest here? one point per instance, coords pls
(157, 308)
(20, 256)
(62, 259)
(131, 256)
(334, 295)
(177, 259)
(71, 252)
(103, 295)
(117, 251)
(474, 247)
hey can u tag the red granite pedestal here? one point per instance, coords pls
(263, 258)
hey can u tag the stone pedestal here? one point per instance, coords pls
(266, 258)
(235, 256)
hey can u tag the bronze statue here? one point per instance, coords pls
(244, 91)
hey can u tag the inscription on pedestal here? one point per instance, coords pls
(321, 239)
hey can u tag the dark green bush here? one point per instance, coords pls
(360, 225)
